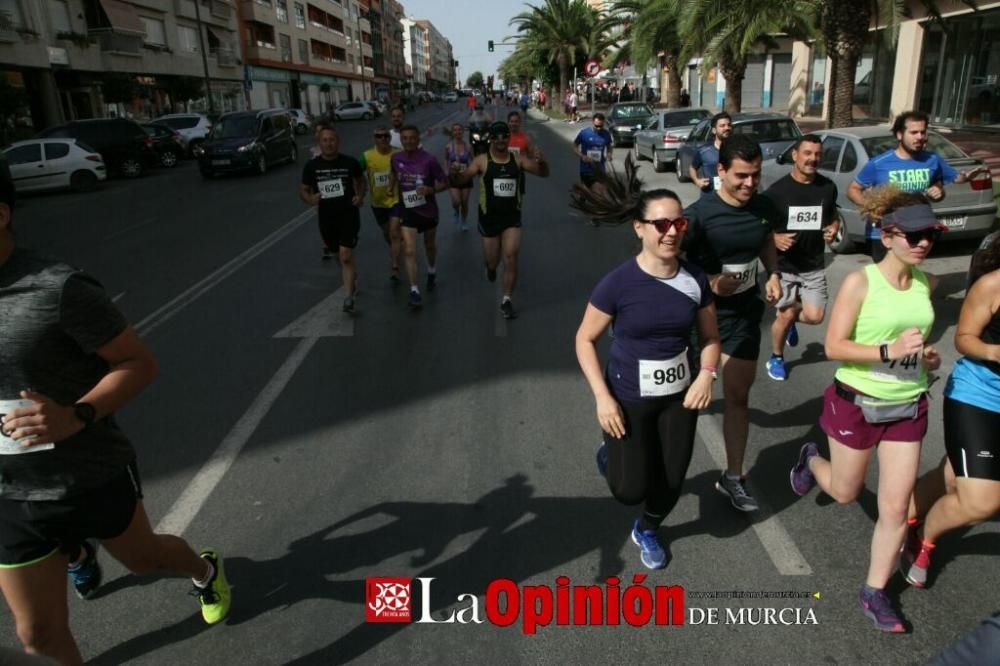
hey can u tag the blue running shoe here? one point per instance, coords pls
(602, 459)
(653, 555)
(793, 336)
(86, 576)
(776, 368)
(415, 300)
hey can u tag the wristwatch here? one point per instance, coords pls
(85, 413)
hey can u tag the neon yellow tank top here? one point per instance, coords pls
(378, 167)
(885, 313)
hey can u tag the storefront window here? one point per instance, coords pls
(817, 80)
(874, 75)
(960, 70)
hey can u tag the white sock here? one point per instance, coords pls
(431, 270)
(203, 583)
(733, 477)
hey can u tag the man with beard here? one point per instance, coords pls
(703, 167)
(806, 205)
(398, 117)
(909, 167)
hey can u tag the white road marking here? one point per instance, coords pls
(117, 298)
(772, 534)
(134, 227)
(323, 320)
(196, 291)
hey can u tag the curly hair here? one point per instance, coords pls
(621, 200)
(986, 259)
(882, 200)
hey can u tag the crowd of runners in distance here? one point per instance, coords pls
(686, 312)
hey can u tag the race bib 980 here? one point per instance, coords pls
(660, 378)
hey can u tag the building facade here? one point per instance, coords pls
(416, 52)
(439, 60)
(78, 59)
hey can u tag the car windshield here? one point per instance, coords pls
(631, 111)
(182, 122)
(683, 118)
(936, 143)
(768, 131)
(235, 127)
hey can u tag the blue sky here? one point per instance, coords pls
(469, 25)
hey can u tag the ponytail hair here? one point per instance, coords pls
(620, 199)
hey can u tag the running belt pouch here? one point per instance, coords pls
(878, 411)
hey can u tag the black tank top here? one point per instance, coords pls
(499, 194)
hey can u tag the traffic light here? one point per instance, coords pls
(491, 46)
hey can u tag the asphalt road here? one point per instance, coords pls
(446, 444)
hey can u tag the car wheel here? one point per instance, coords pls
(261, 166)
(682, 176)
(293, 154)
(841, 243)
(366, 116)
(658, 165)
(131, 167)
(301, 129)
(168, 159)
(83, 181)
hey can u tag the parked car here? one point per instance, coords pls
(193, 128)
(968, 209)
(49, 164)
(451, 96)
(167, 143)
(773, 131)
(624, 118)
(301, 121)
(379, 106)
(353, 111)
(248, 140)
(124, 145)
(663, 135)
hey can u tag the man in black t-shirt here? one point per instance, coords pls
(335, 184)
(730, 229)
(806, 203)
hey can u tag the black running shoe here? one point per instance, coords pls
(507, 308)
(431, 281)
(87, 575)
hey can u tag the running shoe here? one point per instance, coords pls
(507, 308)
(878, 609)
(801, 476)
(415, 300)
(914, 563)
(776, 368)
(736, 492)
(491, 274)
(327, 254)
(602, 459)
(394, 277)
(456, 217)
(652, 553)
(349, 305)
(793, 336)
(431, 281)
(216, 596)
(86, 576)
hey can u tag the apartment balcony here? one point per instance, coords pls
(118, 42)
(224, 56)
(366, 25)
(261, 50)
(253, 10)
(220, 9)
(8, 29)
(322, 33)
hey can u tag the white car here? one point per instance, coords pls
(301, 120)
(450, 97)
(49, 164)
(193, 127)
(353, 111)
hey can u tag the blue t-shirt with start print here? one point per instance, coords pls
(653, 320)
(912, 175)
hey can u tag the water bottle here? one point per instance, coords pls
(419, 182)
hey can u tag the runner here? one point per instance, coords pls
(69, 473)
(385, 202)
(500, 205)
(335, 184)
(520, 143)
(703, 171)
(594, 147)
(398, 117)
(806, 204)
(878, 330)
(965, 488)
(647, 401)
(457, 152)
(907, 166)
(730, 229)
(418, 177)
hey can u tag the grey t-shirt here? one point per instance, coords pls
(53, 319)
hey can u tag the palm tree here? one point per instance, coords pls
(651, 36)
(565, 29)
(724, 33)
(845, 27)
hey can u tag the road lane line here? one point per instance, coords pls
(118, 297)
(134, 227)
(772, 534)
(196, 291)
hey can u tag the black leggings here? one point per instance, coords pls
(649, 464)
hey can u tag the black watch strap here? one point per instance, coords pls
(85, 413)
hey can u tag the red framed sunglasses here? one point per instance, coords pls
(663, 224)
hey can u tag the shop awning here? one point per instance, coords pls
(223, 37)
(122, 17)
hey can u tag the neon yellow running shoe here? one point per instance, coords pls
(215, 597)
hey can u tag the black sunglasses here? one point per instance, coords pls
(913, 238)
(380, 135)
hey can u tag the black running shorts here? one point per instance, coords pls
(412, 220)
(740, 330)
(970, 438)
(341, 230)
